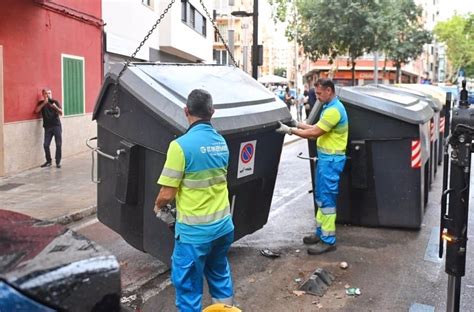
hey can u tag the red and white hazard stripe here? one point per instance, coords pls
(441, 124)
(432, 131)
(416, 154)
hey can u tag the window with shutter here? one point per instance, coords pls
(73, 85)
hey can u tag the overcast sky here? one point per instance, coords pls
(449, 7)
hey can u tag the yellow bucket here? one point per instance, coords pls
(220, 307)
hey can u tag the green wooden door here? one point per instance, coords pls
(73, 86)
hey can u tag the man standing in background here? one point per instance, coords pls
(50, 110)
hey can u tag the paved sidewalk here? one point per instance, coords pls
(59, 195)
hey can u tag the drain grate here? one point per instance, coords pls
(9, 186)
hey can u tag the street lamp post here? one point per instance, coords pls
(254, 35)
(255, 40)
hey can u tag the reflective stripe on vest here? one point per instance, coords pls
(206, 219)
(204, 183)
(331, 151)
(170, 173)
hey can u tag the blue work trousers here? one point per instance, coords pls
(190, 262)
(328, 173)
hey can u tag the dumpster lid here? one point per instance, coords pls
(434, 103)
(386, 102)
(436, 92)
(240, 102)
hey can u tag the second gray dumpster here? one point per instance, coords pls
(133, 137)
(435, 135)
(384, 183)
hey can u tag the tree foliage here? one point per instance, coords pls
(353, 27)
(458, 35)
(280, 71)
(406, 36)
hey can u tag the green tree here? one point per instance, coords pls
(353, 27)
(332, 28)
(406, 35)
(458, 35)
(279, 71)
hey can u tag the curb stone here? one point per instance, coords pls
(76, 216)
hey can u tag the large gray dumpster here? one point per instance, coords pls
(151, 102)
(384, 180)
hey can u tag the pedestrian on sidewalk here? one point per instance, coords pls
(331, 132)
(50, 110)
(195, 173)
(288, 98)
(311, 101)
(302, 101)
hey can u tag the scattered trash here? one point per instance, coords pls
(343, 265)
(353, 291)
(123, 264)
(299, 293)
(297, 280)
(314, 302)
(269, 253)
(318, 282)
(470, 286)
(252, 280)
(347, 286)
(297, 251)
(128, 299)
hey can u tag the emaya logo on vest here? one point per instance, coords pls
(214, 149)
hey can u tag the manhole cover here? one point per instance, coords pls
(9, 186)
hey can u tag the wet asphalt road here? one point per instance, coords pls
(394, 268)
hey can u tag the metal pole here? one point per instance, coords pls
(376, 67)
(230, 32)
(454, 293)
(296, 58)
(255, 40)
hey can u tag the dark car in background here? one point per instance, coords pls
(47, 267)
(470, 97)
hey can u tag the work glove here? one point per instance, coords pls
(293, 123)
(166, 214)
(283, 129)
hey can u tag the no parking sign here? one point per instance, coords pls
(246, 159)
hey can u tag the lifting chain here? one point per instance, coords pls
(218, 33)
(115, 110)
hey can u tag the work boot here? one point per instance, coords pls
(46, 164)
(320, 249)
(311, 239)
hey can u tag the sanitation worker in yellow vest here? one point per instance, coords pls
(331, 132)
(195, 174)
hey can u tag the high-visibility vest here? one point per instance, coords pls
(336, 124)
(196, 164)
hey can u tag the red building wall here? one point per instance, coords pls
(34, 34)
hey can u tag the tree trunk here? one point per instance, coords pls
(384, 69)
(398, 77)
(353, 63)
